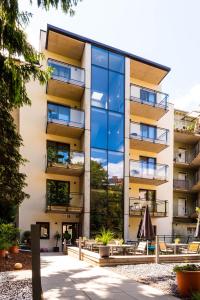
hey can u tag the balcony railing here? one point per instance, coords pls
(148, 170)
(196, 152)
(72, 159)
(157, 208)
(180, 158)
(149, 133)
(149, 97)
(70, 117)
(71, 203)
(182, 184)
(186, 126)
(67, 73)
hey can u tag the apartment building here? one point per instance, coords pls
(99, 141)
(186, 171)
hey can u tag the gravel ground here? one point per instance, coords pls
(160, 276)
(15, 286)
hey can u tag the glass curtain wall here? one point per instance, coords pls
(107, 141)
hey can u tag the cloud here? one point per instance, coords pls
(189, 101)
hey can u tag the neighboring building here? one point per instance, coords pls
(186, 171)
(99, 141)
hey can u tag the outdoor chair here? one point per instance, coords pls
(141, 248)
(164, 249)
(193, 248)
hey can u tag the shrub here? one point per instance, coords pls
(196, 296)
(188, 267)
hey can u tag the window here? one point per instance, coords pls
(148, 96)
(99, 176)
(116, 62)
(100, 57)
(58, 192)
(149, 195)
(99, 128)
(58, 152)
(116, 92)
(99, 87)
(115, 169)
(60, 71)
(148, 131)
(44, 230)
(116, 132)
(58, 112)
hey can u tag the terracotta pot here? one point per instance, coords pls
(188, 282)
(3, 253)
(14, 249)
(104, 251)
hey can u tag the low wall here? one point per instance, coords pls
(93, 258)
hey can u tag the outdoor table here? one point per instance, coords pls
(124, 247)
(176, 246)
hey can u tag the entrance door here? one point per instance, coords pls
(181, 207)
(73, 230)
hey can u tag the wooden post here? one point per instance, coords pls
(147, 247)
(79, 245)
(157, 250)
(36, 275)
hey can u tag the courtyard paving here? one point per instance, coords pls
(64, 277)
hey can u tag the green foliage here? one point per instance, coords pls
(8, 235)
(67, 235)
(188, 267)
(105, 236)
(98, 175)
(66, 5)
(195, 296)
(57, 237)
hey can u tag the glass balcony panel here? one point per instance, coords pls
(67, 73)
(72, 203)
(148, 170)
(77, 158)
(147, 96)
(156, 207)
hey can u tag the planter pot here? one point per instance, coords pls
(56, 249)
(188, 282)
(104, 251)
(14, 249)
(3, 253)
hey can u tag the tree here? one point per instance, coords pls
(19, 62)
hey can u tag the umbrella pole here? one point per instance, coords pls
(157, 250)
(147, 247)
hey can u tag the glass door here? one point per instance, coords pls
(148, 96)
(148, 132)
(148, 166)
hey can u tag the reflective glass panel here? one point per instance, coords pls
(99, 95)
(116, 92)
(116, 62)
(116, 132)
(115, 170)
(99, 128)
(100, 57)
(98, 200)
(98, 168)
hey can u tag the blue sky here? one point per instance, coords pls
(165, 31)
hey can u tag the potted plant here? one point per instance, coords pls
(105, 236)
(5, 238)
(14, 234)
(26, 239)
(188, 279)
(57, 237)
(67, 236)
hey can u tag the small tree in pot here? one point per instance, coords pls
(104, 237)
(57, 237)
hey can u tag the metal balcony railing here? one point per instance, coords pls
(182, 184)
(72, 202)
(187, 126)
(148, 96)
(67, 73)
(72, 159)
(148, 170)
(157, 208)
(149, 133)
(65, 116)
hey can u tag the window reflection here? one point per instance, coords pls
(99, 128)
(99, 95)
(58, 112)
(116, 92)
(100, 57)
(98, 168)
(116, 62)
(116, 132)
(115, 170)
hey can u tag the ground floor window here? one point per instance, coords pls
(44, 230)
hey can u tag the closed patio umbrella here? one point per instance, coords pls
(197, 232)
(146, 231)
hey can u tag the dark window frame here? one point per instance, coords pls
(48, 230)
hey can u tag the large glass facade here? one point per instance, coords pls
(107, 141)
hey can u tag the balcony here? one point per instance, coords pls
(144, 137)
(196, 184)
(73, 204)
(65, 121)
(195, 159)
(157, 208)
(71, 164)
(186, 131)
(182, 160)
(66, 81)
(148, 173)
(148, 103)
(182, 185)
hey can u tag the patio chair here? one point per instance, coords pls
(164, 249)
(193, 248)
(141, 248)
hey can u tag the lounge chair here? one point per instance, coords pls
(164, 249)
(193, 248)
(141, 248)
